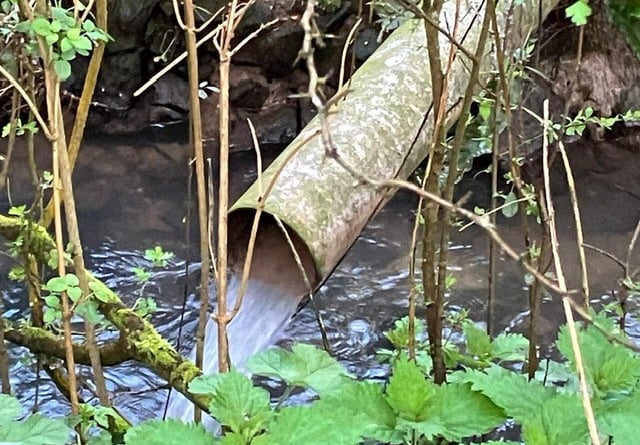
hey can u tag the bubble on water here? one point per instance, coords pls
(360, 333)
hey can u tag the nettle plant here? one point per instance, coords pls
(479, 397)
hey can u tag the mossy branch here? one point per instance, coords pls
(139, 339)
(43, 341)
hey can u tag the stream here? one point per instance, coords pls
(131, 195)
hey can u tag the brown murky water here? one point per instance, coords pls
(132, 195)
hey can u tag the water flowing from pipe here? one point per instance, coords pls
(264, 314)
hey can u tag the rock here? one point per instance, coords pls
(275, 51)
(248, 88)
(170, 100)
(127, 22)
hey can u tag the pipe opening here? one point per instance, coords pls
(274, 263)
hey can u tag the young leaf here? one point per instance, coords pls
(399, 335)
(73, 33)
(35, 430)
(236, 403)
(509, 347)
(305, 366)
(578, 12)
(168, 432)
(409, 393)
(478, 341)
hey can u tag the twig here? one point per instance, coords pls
(632, 244)
(27, 99)
(578, 220)
(305, 278)
(609, 255)
(573, 333)
(196, 140)
(153, 79)
(4, 358)
(345, 50)
(52, 88)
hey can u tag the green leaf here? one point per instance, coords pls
(35, 430)
(103, 438)
(305, 366)
(88, 25)
(399, 335)
(65, 45)
(74, 293)
(89, 311)
(100, 291)
(409, 393)
(40, 26)
(51, 39)
(560, 421)
(83, 43)
(512, 392)
(232, 439)
(316, 424)
(578, 12)
(509, 347)
(53, 301)
(460, 412)
(56, 284)
(73, 33)
(62, 69)
(610, 367)
(510, 208)
(168, 432)
(63, 16)
(71, 279)
(69, 55)
(236, 403)
(368, 409)
(620, 419)
(55, 26)
(478, 341)
(51, 315)
(10, 409)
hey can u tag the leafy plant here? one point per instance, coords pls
(66, 36)
(578, 12)
(158, 257)
(84, 306)
(20, 128)
(32, 430)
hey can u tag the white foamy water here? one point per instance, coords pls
(265, 312)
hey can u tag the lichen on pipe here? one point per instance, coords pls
(382, 128)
